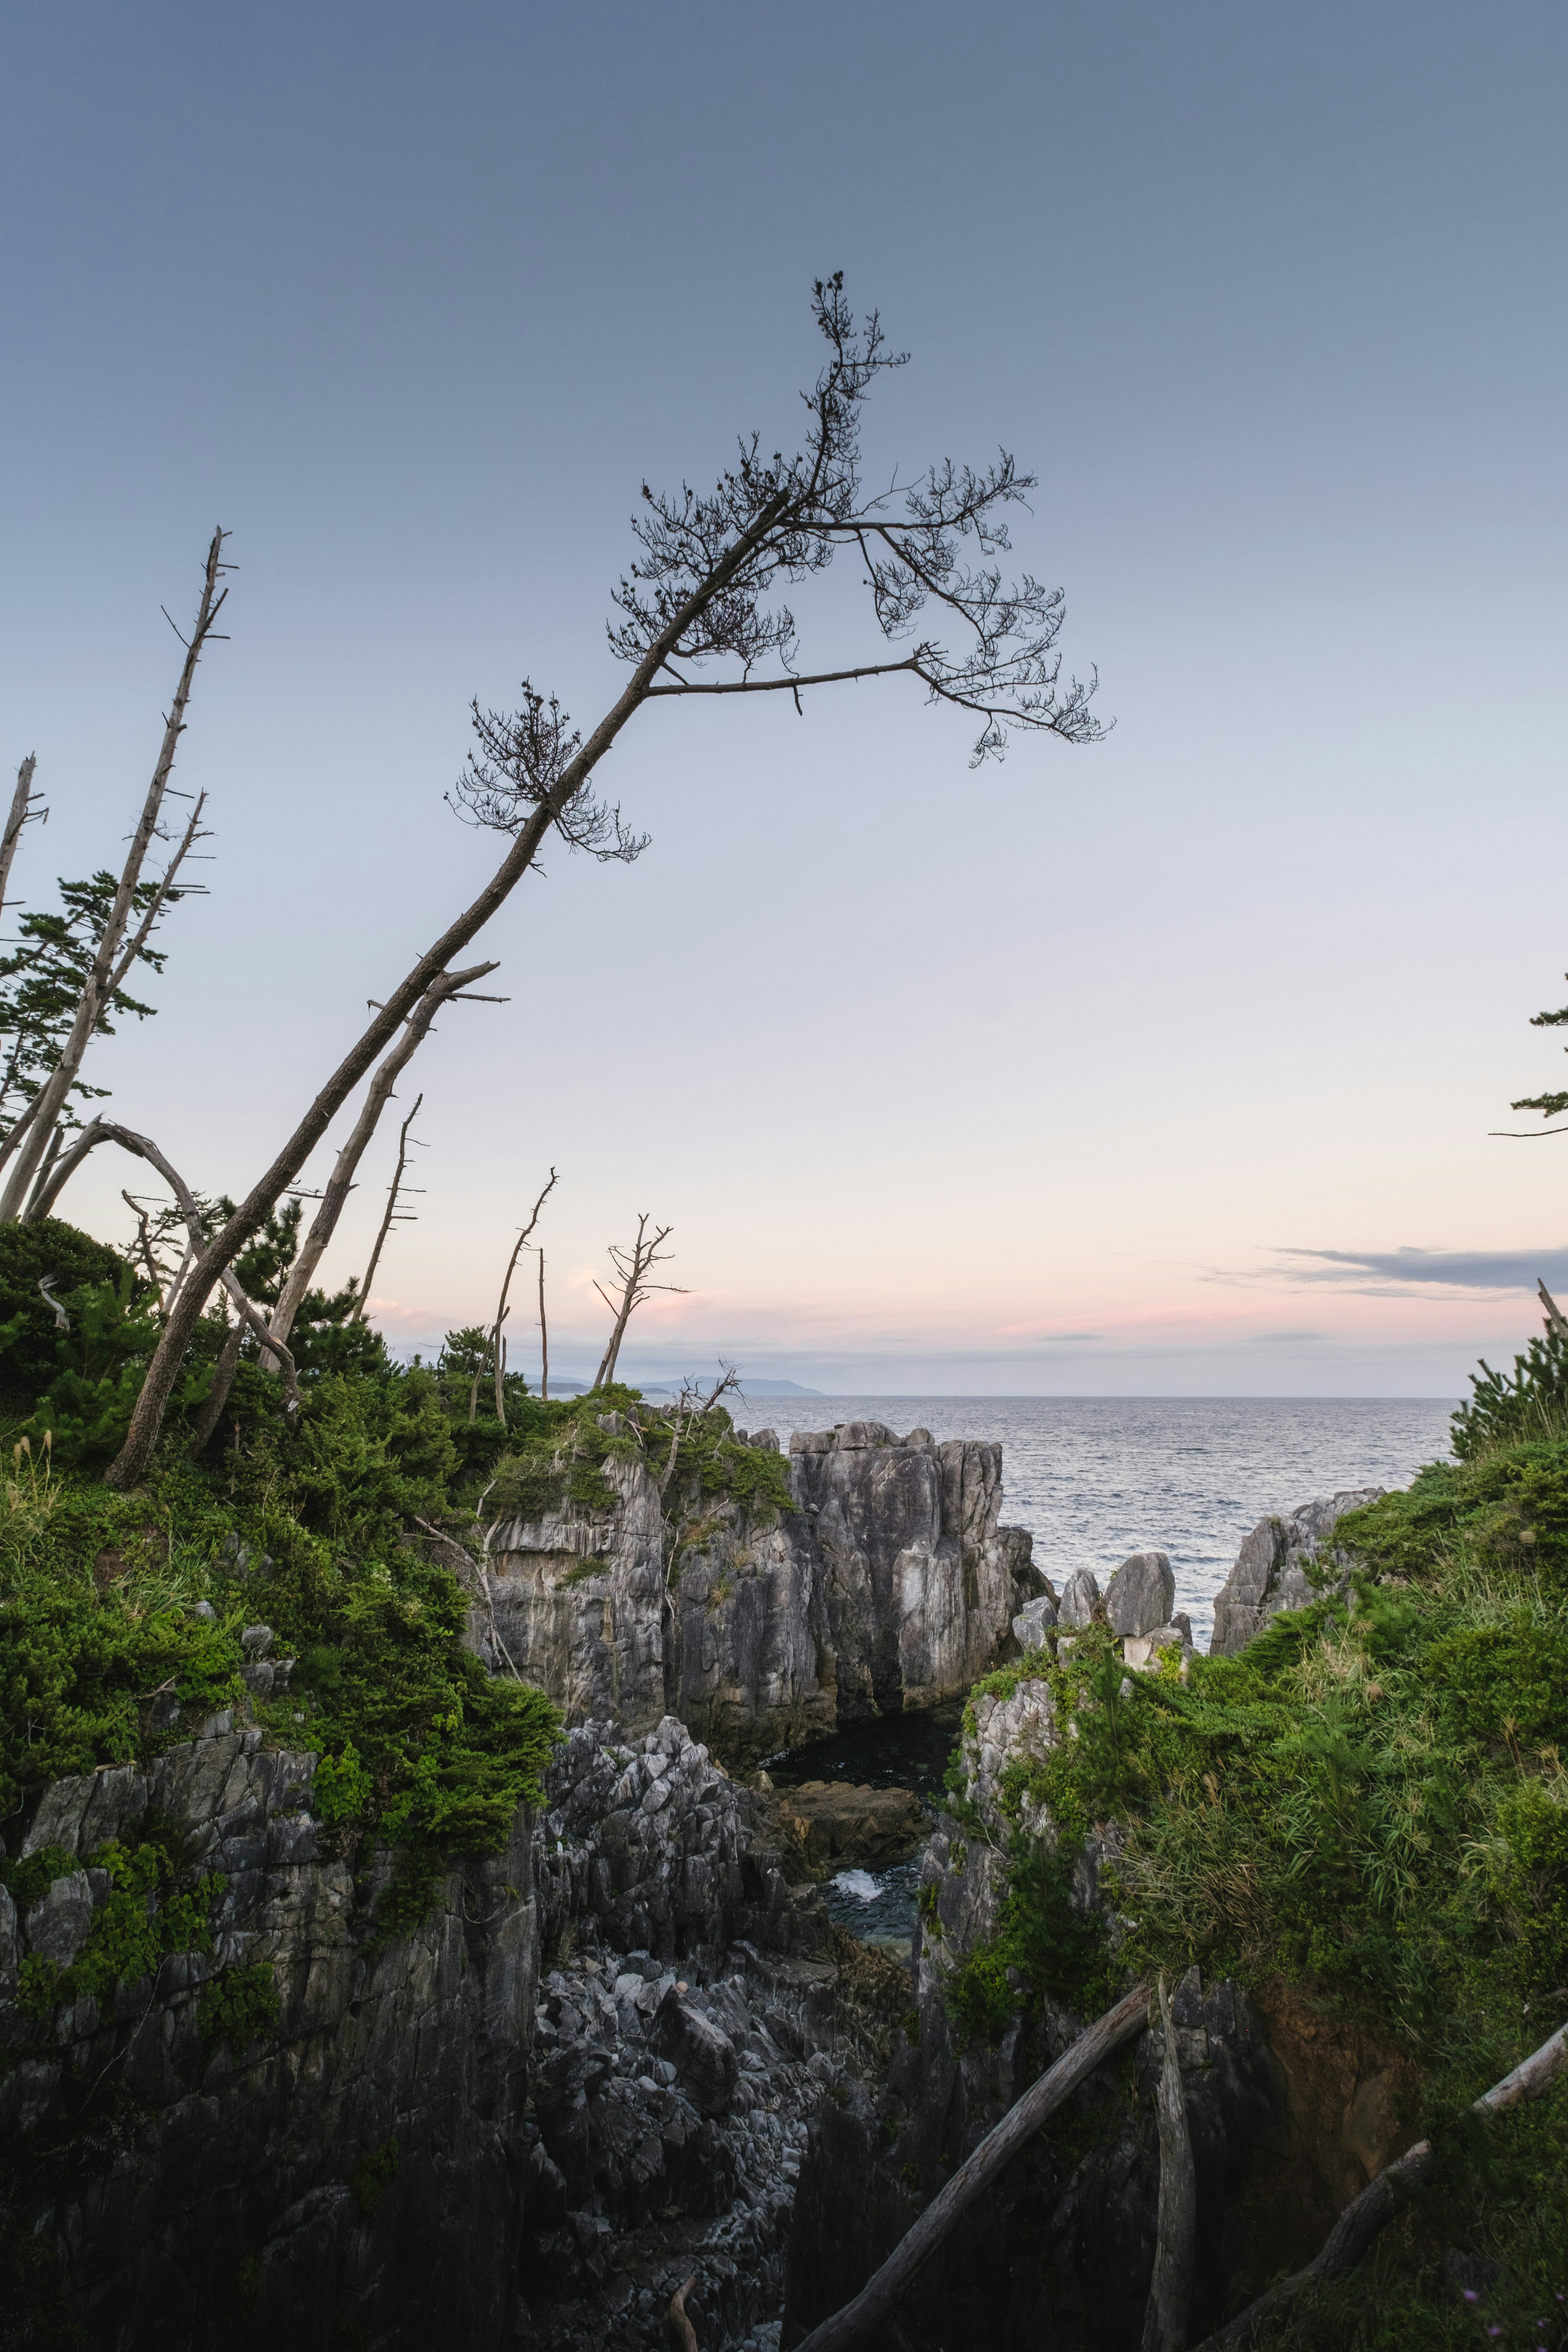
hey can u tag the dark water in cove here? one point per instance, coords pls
(1094, 1478)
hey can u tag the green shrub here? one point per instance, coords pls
(238, 2005)
(374, 2175)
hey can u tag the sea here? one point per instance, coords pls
(1093, 1478)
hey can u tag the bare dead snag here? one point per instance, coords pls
(682, 2331)
(974, 2175)
(143, 1147)
(634, 1267)
(390, 1215)
(443, 990)
(497, 1344)
(22, 809)
(1555, 1318)
(704, 587)
(690, 1406)
(543, 1340)
(1366, 2215)
(53, 1180)
(1176, 2234)
(113, 958)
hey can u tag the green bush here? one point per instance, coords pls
(237, 2005)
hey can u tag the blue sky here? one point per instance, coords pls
(1042, 1078)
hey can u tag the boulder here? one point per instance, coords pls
(1081, 1597)
(1034, 1621)
(1141, 1651)
(1141, 1595)
(1270, 1570)
(701, 2054)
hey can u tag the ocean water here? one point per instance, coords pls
(1093, 1478)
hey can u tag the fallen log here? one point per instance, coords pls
(679, 2326)
(1378, 2203)
(876, 2299)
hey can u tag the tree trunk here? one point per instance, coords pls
(30, 1137)
(264, 1195)
(543, 1340)
(874, 2300)
(341, 1181)
(1367, 2214)
(20, 798)
(1176, 2235)
(362, 1305)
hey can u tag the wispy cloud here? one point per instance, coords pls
(1397, 1272)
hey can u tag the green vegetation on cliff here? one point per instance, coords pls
(1370, 1804)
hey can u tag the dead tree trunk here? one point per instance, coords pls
(497, 1348)
(143, 1147)
(703, 588)
(30, 1137)
(1366, 2215)
(393, 1190)
(543, 1340)
(442, 990)
(634, 1267)
(874, 2300)
(1175, 2233)
(21, 809)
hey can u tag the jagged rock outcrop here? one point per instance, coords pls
(1059, 2252)
(415, 2152)
(226, 2188)
(1269, 1573)
(890, 1584)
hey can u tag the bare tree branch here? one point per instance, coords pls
(496, 1349)
(702, 587)
(634, 1265)
(21, 811)
(445, 986)
(362, 1305)
(31, 1134)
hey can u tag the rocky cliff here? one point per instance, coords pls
(396, 2144)
(888, 1584)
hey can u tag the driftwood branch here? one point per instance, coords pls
(1367, 2214)
(872, 2306)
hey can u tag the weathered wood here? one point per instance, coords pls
(1176, 2228)
(28, 1139)
(1367, 2214)
(497, 1348)
(974, 2175)
(21, 800)
(679, 2326)
(442, 989)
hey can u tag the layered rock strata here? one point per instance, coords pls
(890, 1584)
(1270, 1570)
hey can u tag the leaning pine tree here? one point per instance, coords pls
(704, 589)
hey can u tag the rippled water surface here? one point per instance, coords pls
(1096, 1477)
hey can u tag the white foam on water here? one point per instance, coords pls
(858, 1882)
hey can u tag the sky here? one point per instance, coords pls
(1165, 1066)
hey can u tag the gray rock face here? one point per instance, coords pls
(702, 2052)
(564, 2163)
(1081, 1597)
(1141, 1595)
(1269, 1573)
(1060, 2251)
(247, 2156)
(1034, 1621)
(890, 1585)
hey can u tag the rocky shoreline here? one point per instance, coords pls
(633, 2049)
